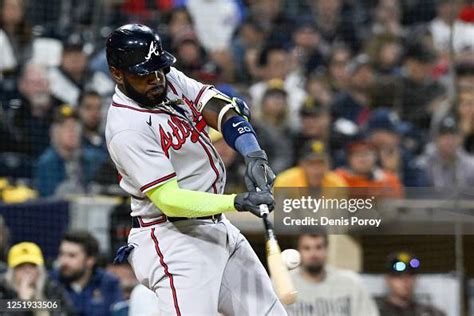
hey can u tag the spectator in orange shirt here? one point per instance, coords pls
(313, 170)
(363, 172)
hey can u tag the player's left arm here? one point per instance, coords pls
(231, 117)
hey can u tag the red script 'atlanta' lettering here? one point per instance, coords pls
(180, 131)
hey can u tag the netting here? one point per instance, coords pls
(385, 88)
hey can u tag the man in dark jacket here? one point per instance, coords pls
(92, 290)
(401, 280)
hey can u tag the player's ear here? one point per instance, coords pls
(117, 75)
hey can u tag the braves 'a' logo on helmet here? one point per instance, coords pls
(153, 50)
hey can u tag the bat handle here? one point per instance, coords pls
(264, 210)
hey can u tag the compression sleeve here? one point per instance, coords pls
(176, 202)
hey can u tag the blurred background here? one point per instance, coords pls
(363, 93)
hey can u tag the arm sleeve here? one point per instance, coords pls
(177, 202)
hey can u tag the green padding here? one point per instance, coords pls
(176, 202)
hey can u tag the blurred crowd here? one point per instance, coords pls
(343, 93)
(82, 283)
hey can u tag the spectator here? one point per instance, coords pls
(69, 79)
(128, 281)
(401, 280)
(15, 35)
(307, 46)
(275, 22)
(354, 104)
(362, 172)
(92, 290)
(387, 18)
(215, 30)
(318, 89)
(32, 112)
(313, 170)
(126, 276)
(386, 51)
(447, 20)
(385, 131)
(323, 289)
(249, 35)
(315, 125)
(418, 91)
(275, 105)
(445, 162)
(66, 167)
(192, 58)
(273, 61)
(273, 129)
(465, 114)
(178, 20)
(26, 279)
(90, 115)
(337, 73)
(335, 23)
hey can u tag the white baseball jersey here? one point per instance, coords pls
(152, 146)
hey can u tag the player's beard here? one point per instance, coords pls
(141, 98)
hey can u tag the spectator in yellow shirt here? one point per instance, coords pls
(312, 171)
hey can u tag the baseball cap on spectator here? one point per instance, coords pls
(74, 43)
(386, 120)
(25, 252)
(467, 13)
(420, 53)
(313, 108)
(357, 62)
(401, 263)
(314, 150)
(275, 86)
(447, 125)
(64, 112)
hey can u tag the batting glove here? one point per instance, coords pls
(258, 173)
(251, 201)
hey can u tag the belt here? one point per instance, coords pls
(137, 222)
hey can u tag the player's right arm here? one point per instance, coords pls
(144, 165)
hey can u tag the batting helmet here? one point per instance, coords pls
(135, 48)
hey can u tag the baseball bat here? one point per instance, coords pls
(279, 274)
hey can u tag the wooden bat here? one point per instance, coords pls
(279, 274)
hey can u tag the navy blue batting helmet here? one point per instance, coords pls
(135, 48)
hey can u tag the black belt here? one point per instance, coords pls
(137, 222)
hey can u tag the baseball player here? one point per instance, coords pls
(181, 245)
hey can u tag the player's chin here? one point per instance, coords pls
(155, 95)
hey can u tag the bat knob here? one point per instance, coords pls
(264, 209)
